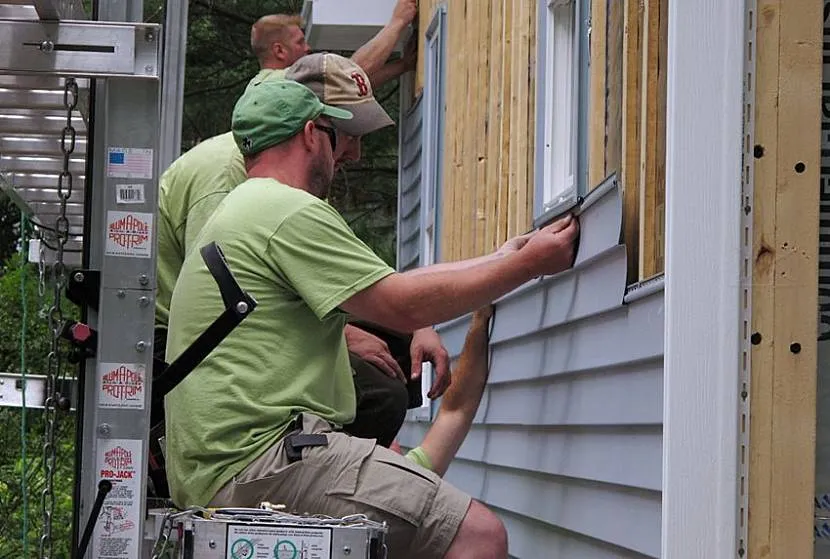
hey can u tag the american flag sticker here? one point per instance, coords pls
(130, 163)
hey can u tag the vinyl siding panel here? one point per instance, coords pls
(409, 188)
(566, 446)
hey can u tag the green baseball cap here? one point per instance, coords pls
(272, 111)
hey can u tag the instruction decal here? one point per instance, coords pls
(277, 542)
(116, 533)
(129, 234)
(130, 163)
(122, 385)
(129, 194)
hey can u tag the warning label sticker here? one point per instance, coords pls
(122, 385)
(129, 193)
(278, 542)
(116, 532)
(130, 163)
(129, 234)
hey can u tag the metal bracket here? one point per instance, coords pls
(84, 288)
(11, 391)
(80, 49)
(747, 258)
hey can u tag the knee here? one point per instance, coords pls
(492, 528)
(482, 535)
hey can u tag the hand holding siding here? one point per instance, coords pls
(551, 250)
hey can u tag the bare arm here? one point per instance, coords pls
(435, 294)
(373, 55)
(387, 72)
(409, 301)
(459, 404)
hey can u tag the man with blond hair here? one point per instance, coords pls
(278, 41)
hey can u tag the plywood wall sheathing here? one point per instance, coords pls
(653, 137)
(598, 92)
(488, 177)
(631, 101)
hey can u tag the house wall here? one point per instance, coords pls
(566, 444)
(409, 187)
(489, 172)
(488, 181)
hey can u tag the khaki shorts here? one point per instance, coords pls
(354, 476)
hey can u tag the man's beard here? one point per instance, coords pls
(321, 176)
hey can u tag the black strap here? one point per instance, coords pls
(218, 267)
(296, 442)
(238, 305)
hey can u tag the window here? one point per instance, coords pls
(433, 134)
(561, 89)
(432, 168)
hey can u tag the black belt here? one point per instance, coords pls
(295, 441)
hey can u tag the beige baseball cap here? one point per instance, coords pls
(341, 83)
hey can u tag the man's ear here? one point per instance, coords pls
(309, 137)
(278, 51)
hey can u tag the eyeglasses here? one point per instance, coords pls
(332, 134)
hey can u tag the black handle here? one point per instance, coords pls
(104, 487)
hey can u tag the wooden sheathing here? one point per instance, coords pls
(488, 186)
(598, 92)
(614, 88)
(627, 120)
(631, 101)
(784, 278)
(495, 103)
(653, 137)
(605, 120)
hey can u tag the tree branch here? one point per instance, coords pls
(208, 5)
(222, 87)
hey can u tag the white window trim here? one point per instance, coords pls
(431, 166)
(558, 51)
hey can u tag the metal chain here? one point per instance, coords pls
(41, 277)
(70, 101)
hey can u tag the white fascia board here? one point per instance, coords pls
(345, 25)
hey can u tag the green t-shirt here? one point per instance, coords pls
(418, 456)
(298, 258)
(189, 191)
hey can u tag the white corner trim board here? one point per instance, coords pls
(703, 221)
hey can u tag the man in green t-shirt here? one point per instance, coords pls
(194, 185)
(234, 425)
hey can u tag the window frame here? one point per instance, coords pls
(548, 204)
(432, 166)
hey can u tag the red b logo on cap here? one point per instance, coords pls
(362, 88)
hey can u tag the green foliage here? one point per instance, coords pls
(11, 461)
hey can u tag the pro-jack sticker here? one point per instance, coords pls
(116, 533)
